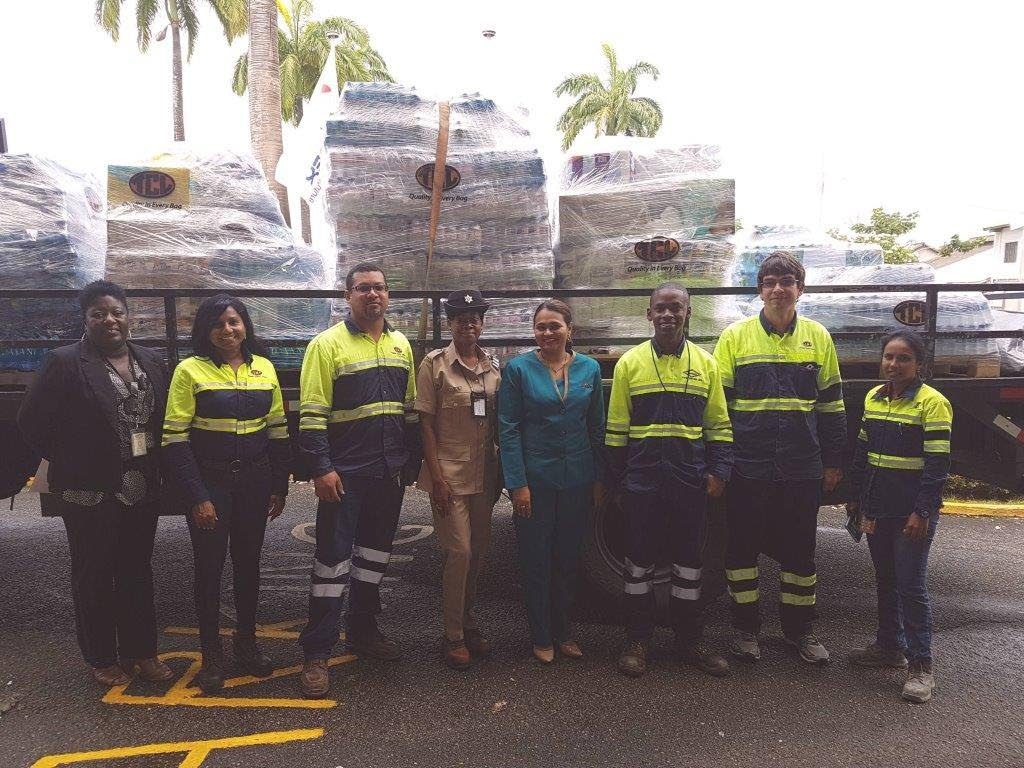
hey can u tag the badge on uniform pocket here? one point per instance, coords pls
(479, 403)
(138, 444)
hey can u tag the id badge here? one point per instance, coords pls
(138, 444)
(479, 403)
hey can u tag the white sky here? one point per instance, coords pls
(905, 104)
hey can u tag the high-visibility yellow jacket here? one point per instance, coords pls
(667, 419)
(785, 399)
(357, 403)
(901, 462)
(216, 416)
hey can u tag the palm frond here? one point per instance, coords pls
(145, 13)
(285, 12)
(291, 85)
(574, 85)
(190, 21)
(613, 60)
(108, 16)
(233, 16)
(240, 78)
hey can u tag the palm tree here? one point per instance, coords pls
(303, 48)
(611, 107)
(265, 94)
(232, 15)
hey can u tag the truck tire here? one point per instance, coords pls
(19, 461)
(602, 560)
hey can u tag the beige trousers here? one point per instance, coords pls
(465, 536)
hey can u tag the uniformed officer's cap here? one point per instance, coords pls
(465, 301)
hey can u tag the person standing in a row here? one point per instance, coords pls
(899, 470)
(781, 377)
(669, 449)
(94, 412)
(359, 435)
(225, 445)
(551, 422)
(456, 396)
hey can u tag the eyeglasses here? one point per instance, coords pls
(367, 287)
(783, 282)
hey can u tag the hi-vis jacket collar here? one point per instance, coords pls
(678, 352)
(768, 326)
(885, 392)
(355, 330)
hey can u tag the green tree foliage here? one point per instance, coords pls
(963, 246)
(179, 15)
(609, 106)
(884, 229)
(303, 48)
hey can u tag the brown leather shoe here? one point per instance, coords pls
(570, 649)
(544, 655)
(315, 679)
(478, 645)
(455, 652)
(152, 669)
(110, 676)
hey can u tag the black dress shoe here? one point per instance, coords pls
(250, 658)
(211, 677)
(374, 644)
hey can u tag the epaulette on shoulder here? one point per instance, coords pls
(495, 363)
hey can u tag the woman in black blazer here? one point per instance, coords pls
(94, 411)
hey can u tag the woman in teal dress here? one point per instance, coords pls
(551, 432)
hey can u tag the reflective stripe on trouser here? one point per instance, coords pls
(353, 546)
(779, 519)
(664, 528)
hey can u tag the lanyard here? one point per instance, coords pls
(654, 360)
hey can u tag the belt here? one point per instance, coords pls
(235, 465)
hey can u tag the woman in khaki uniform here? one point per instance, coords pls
(457, 399)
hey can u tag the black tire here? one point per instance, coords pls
(601, 563)
(19, 461)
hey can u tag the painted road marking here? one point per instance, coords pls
(182, 695)
(282, 630)
(195, 751)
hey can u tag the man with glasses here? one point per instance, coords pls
(785, 395)
(359, 434)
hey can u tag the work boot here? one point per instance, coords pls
(876, 656)
(315, 678)
(250, 658)
(698, 654)
(455, 652)
(745, 647)
(372, 642)
(810, 649)
(211, 677)
(920, 682)
(633, 658)
(478, 645)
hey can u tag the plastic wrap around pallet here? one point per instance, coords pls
(222, 229)
(814, 250)
(493, 231)
(883, 312)
(51, 236)
(633, 214)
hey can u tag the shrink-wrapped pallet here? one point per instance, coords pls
(884, 312)
(187, 220)
(377, 169)
(51, 237)
(631, 215)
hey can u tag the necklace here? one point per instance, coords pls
(555, 370)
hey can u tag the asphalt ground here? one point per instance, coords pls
(508, 710)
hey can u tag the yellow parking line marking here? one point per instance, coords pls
(181, 694)
(983, 509)
(196, 751)
(282, 630)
